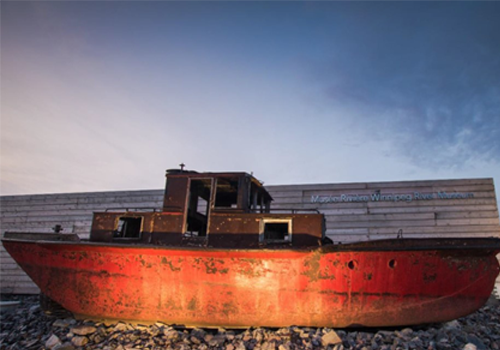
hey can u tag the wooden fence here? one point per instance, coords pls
(353, 211)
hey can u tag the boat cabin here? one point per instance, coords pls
(226, 210)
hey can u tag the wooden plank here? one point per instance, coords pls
(467, 222)
(42, 200)
(369, 224)
(436, 202)
(51, 218)
(347, 231)
(120, 199)
(320, 206)
(19, 288)
(379, 205)
(10, 266)
(468, 214)
(18, 278)
(286, 200)
(430, 208)
(54, 197)
(440, 230)
(478, 191)
(35, 213)
(306, 187)
(27, 208)
(333, 212)
(424, 183)
(5, 258)
(280, 194)
(81, 230)
(385, 184)
(12, 273)
(364, 237)
(41, 229)
(379, 217)
(91, 207)
(46, 226)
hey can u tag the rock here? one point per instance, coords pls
(64, 346)
(171, 334)
(285, 346)
(194, 340)
(97, 339)
(34, 308)
(471, 338)
(198, 333)
(52, 342)
(285, 332)
(469, 346)
(405, 333)
(440, 336)
(304, 334)
(229, 335)
(83, 330)
(330, 338)
(79, 341)
(240, 346)
(217, 340)
(120, 327)
(63, 323)
(268, 346)
(452, 325)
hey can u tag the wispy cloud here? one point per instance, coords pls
(425, 79)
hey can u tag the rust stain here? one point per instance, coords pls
(212, 266)
(429, 278)
(192, 304)
(170, 264)
(229, 308)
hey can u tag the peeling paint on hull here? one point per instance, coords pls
(370, 286)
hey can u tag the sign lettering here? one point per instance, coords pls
(378, 197)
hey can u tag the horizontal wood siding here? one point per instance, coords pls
(73, 211)
(345, 221)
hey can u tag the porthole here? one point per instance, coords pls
(352, 264)
(392, 263)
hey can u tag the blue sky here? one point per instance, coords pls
(107, 95)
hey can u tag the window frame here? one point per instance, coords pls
(262, 228)
(117, 224)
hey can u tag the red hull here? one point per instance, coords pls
(352, 285)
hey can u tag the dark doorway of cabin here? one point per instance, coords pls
(198, 211)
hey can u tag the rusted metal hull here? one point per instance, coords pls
(404, 283)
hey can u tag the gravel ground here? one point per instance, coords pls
(27, 327)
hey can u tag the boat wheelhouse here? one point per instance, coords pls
(230, 210)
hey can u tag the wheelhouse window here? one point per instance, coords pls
(276, 231)
(226, 195)
(259, 200)
(128, 227)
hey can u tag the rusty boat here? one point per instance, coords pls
(216, 254)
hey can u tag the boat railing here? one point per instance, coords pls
(133, 209)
